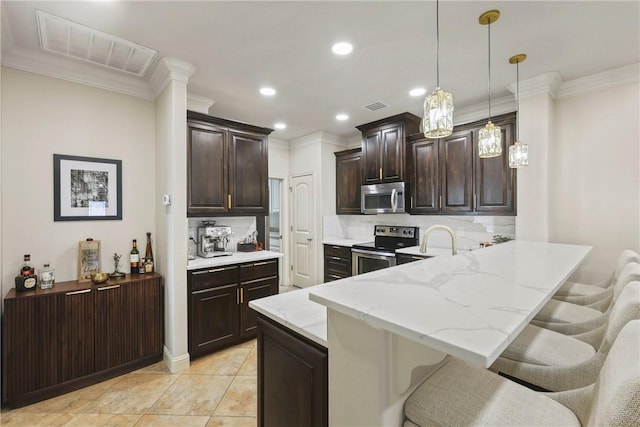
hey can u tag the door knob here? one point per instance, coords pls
(309, 239)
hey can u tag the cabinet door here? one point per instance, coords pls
(76, 320)
(348, 182)
(495, 181)
(129, 324)
(423, 175)
(292, 379)
(206, 170)
(391, 154)
(371, 166)
(456, 159)
(248, 186)
(213, 318)
(249, 291)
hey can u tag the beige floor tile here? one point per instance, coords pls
(192, 395)
(250, 365)
(22, 419)
(232, 422)
(225, 362)
(172, 421)
(249, 344)
(133, 394)
(103, 420)
(156, 368)
(240, 399)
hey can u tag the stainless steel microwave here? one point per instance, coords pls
(383, 198)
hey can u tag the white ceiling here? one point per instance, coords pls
(237, 47)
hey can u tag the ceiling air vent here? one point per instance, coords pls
(73, 40)
(376, 106)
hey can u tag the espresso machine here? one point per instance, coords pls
(213, 239)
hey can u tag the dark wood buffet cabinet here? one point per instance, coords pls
(77, 334)
(226, 167)
(218, 306)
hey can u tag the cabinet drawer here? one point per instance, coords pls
(337, 251)
(258, 270)
(405, 258)
(337, 265)
(213, 277)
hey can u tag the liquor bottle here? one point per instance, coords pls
(134, 258)
(26, 280)
(141, 266)
(47, 277)
(148, 256)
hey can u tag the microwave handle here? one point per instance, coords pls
(394, 200)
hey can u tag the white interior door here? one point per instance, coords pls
(302, 227)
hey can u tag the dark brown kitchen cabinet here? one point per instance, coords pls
(383, 148)
(61, 339)
(226, 167)
(406, 258)
(337, 262)
(292, 378)
(219, 313)
(348, 181)
(447, 176)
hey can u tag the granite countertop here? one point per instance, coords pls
(235, 258)
(471, 305)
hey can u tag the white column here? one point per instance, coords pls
(170, 84)
(536, 129)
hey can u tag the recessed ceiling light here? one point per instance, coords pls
(267, 91)
(342, 117)
(280, 126)
(418, 91)
(342, 48)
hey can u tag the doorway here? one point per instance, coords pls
(275, 221)
(302, 229)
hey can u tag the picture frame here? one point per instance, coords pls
(89, 260)
(86, 188)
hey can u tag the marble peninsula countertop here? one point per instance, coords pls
(471, 305)
(234, 258)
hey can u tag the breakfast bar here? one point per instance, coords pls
(386, 330)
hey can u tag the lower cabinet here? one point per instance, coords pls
(77, 334)
(337, 262)
(292, 378)
(219, 313)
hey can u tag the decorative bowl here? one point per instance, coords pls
(99, 277)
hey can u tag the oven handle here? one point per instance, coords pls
(374, 253)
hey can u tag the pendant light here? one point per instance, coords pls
(437, 121)
(489, 137)
(518, 152)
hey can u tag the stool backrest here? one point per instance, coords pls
(625, 309)
(629, 273)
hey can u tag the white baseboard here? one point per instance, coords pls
(176, 364)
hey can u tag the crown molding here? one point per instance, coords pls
(278, 143)
(75, 71)
(320, 138)
(614, 77)
(169, 69)
(545, 83)
(199, 103)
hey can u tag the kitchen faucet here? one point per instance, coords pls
(425, 237)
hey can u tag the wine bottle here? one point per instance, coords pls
(148, 255)
(134, 258)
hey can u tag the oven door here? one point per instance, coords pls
(365, 261)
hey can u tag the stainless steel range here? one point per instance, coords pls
(381, 253)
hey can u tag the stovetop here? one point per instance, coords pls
(390, 238)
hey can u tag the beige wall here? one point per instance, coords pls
(42, 116)
(594, 175)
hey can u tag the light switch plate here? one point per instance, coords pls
(166, 199)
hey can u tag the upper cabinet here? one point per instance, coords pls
(447, 176)
(348, 181)
(227, 167)
(383, 148)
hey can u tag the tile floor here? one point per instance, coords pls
(217, 390)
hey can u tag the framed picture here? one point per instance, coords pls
(86, 188)
(88, 259)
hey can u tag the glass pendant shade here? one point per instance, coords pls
(438, 114)
(518, 155)
(490, 141)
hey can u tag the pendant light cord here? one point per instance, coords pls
(489, 82)
(518, 101)
(437, 44)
